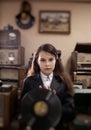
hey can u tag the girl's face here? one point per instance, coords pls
(46, 62)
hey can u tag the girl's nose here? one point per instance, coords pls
(47, 63)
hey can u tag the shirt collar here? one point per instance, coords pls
(46, 77)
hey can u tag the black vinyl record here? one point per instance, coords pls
(41, 109)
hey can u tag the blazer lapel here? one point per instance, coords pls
(54, 84)
(39, 80)
(57, 84)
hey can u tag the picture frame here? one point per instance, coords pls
(54, 22)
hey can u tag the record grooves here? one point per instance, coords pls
(41, 109)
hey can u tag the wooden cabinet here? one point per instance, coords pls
(8, 102)
(81, 65)
(14, 76)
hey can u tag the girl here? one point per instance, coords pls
(47, 72)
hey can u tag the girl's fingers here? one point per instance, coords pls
(54, 91)
(48, 88)
(40, 86)
(51, 128)
(28, 128)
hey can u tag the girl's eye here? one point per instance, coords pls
(51, 59)
(42, 60)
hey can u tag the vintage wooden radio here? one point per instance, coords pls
(12, 75)
(11, 51)
(81, 57)
(81, 64)
(10, 38)
(12, 57)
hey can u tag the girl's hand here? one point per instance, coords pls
(53, 90)
(51, 128)
(48, 88)
(29, 128)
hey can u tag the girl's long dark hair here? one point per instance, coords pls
(59, 69)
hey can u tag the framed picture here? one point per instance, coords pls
(54, 22)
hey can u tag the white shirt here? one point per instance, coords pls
(46, 79)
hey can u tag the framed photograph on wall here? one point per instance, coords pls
(54, 22)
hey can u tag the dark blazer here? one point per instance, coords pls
(62, 92)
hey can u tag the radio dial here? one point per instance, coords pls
(11, 59)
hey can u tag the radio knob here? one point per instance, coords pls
(11, 62)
